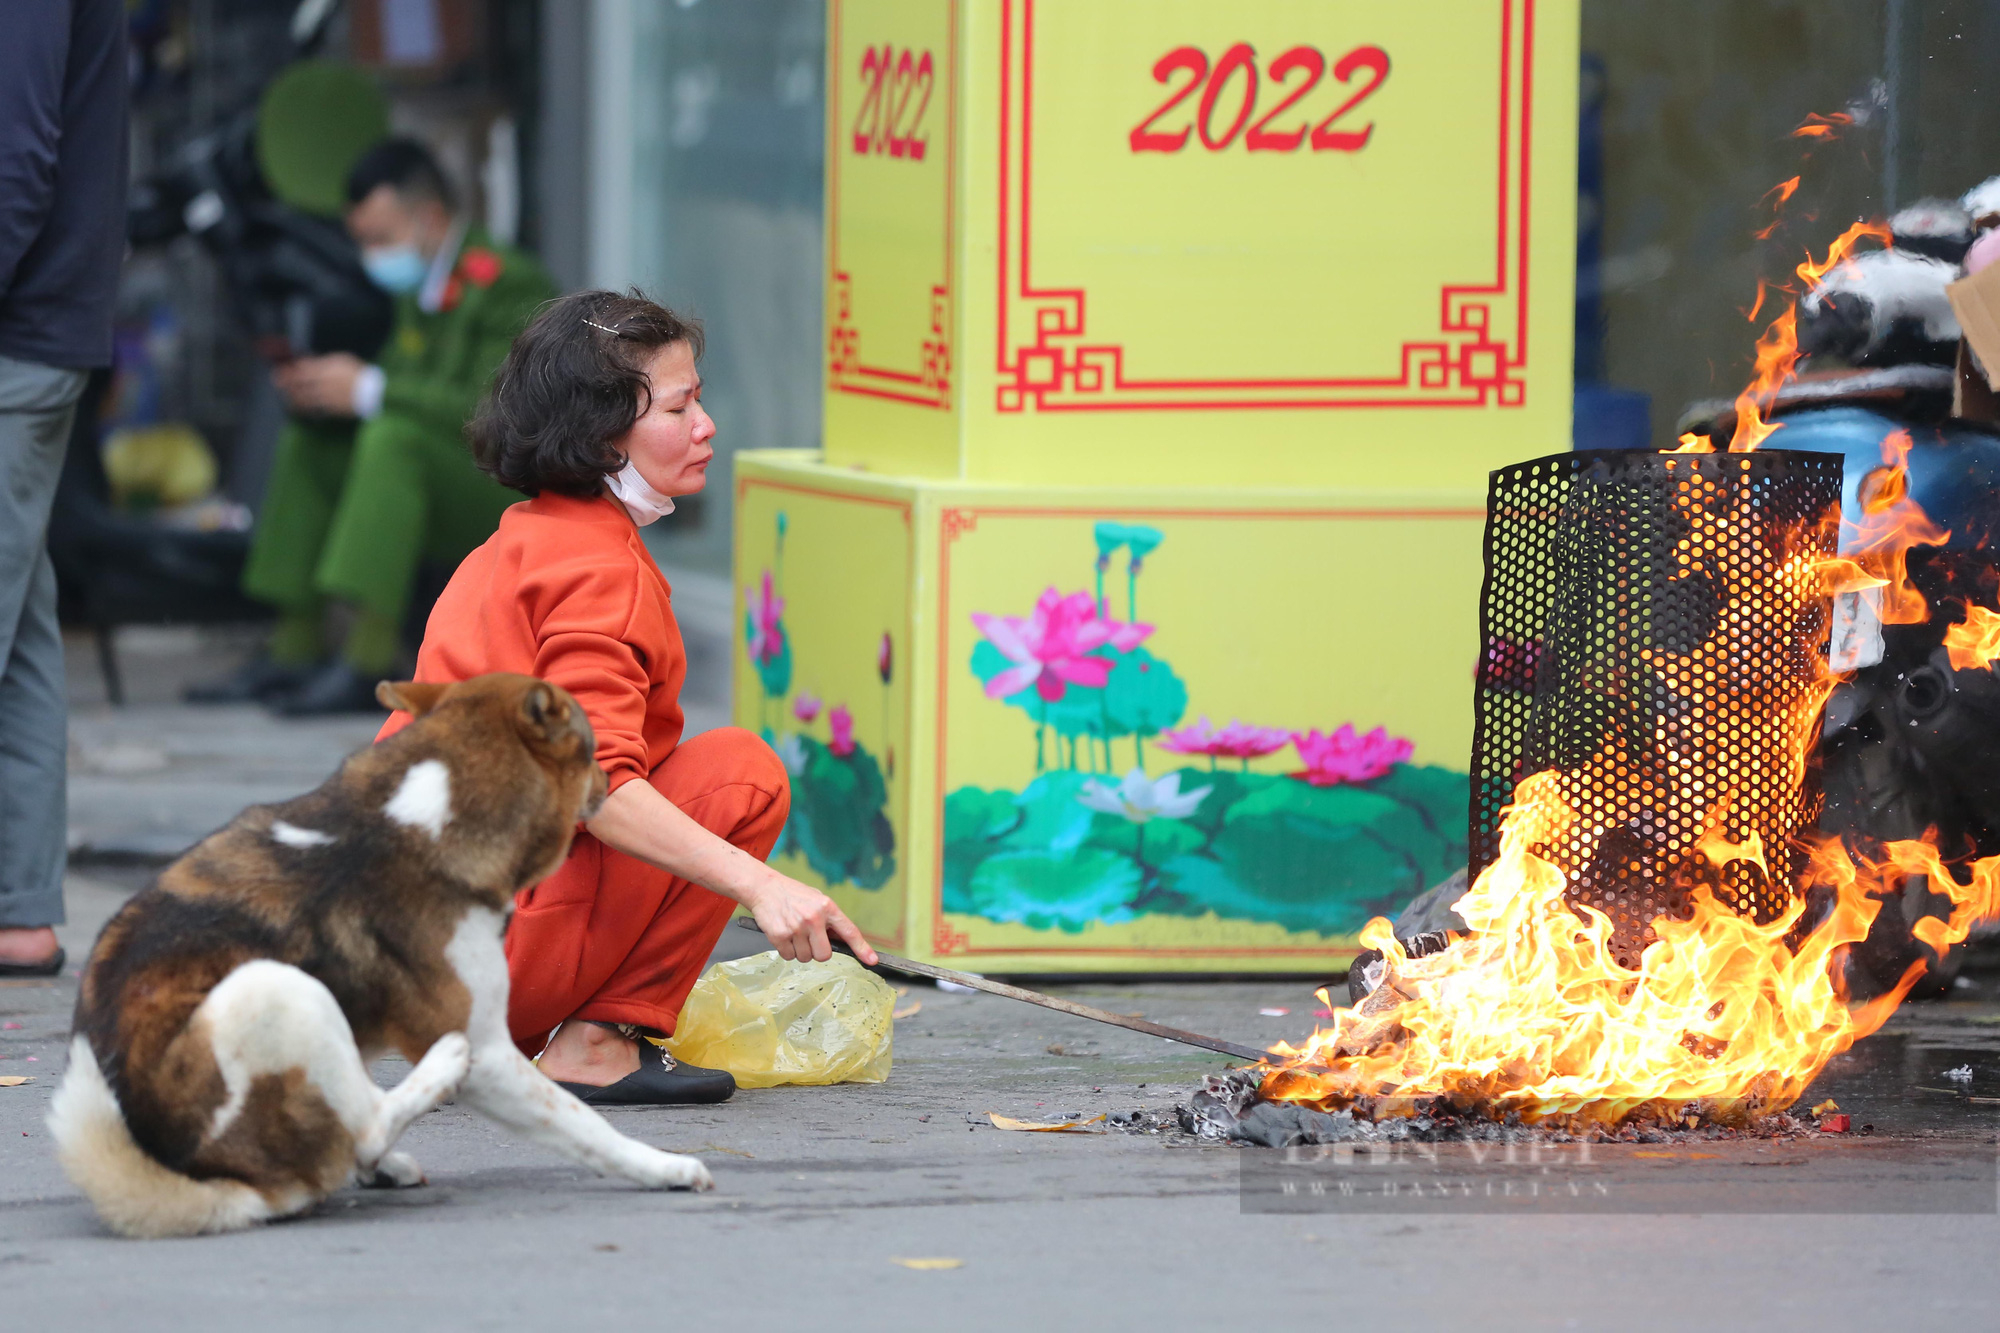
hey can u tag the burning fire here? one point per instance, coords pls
(1891, 523)
(1537, 1010)
(1778, 347)
(1816, 126)
(1533, 1013)
(1975, 642)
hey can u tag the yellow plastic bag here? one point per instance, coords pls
(158, 466)
(768, 1022)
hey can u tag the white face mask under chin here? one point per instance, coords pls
(641, 501)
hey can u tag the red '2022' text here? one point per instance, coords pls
(897, 92)
(1229, 89)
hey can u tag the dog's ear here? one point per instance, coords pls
(415, 697)
(546, 708)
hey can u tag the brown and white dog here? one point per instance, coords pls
(218, 1074)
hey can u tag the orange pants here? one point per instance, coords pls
(610, 938)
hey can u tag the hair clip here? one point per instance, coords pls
(601, 329)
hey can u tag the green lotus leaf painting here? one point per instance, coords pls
(1125, 807)
(1099, 835)
(839, 820)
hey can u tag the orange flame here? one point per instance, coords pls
(1763, 287)
(1778, 347)
(1975, 642)
(1811, 271)
(1891, 523)
(1784, 190)
(1534, 1012)
(1531, 1012)
(1972, 902)
(1816, 126)
(1777, 353)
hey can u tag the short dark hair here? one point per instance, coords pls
(405, 166)
(573, 382)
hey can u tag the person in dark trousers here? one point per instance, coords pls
(63, 133)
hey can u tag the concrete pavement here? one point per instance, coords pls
(823, 1191)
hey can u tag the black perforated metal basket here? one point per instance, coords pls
(1653, 632)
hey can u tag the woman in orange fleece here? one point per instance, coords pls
(597, 415)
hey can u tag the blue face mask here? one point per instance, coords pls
(395, 268)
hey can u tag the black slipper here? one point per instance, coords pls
(48, 967)
(662, 1081)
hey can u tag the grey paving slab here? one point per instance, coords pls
(821, 1191)
(152, 779)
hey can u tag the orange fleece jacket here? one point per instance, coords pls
(565, 590)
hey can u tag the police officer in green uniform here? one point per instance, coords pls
(372, 475)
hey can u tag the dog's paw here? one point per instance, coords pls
(450, 1057)
(396, 1171)
(670, 1171)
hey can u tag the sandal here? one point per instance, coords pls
(662, 1082)
(48, 967)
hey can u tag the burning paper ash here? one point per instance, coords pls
(1229, 1108)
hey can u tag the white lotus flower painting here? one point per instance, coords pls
(1141, 799)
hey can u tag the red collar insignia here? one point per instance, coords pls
(479, 266)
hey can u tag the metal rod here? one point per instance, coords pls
(979, 983)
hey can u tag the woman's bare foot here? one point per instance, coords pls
(583, 1052)
(29, 945)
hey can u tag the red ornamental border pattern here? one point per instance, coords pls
(930, 384)
(1045, 365)
(956, 521)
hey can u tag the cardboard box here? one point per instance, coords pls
(989, 826)
(1268, 243)
(1975, 300)
(1193, 330)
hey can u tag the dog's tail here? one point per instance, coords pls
(133, 1192)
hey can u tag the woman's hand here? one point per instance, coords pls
(797, 918)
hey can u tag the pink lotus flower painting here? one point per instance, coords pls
(767, 631)
(1347, 757)
(1086, 839)
(1050, 648)
(1238, 740)
(839, 823)
(1195, 738)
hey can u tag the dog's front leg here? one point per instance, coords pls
(504, 1085)
(420, 1092)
